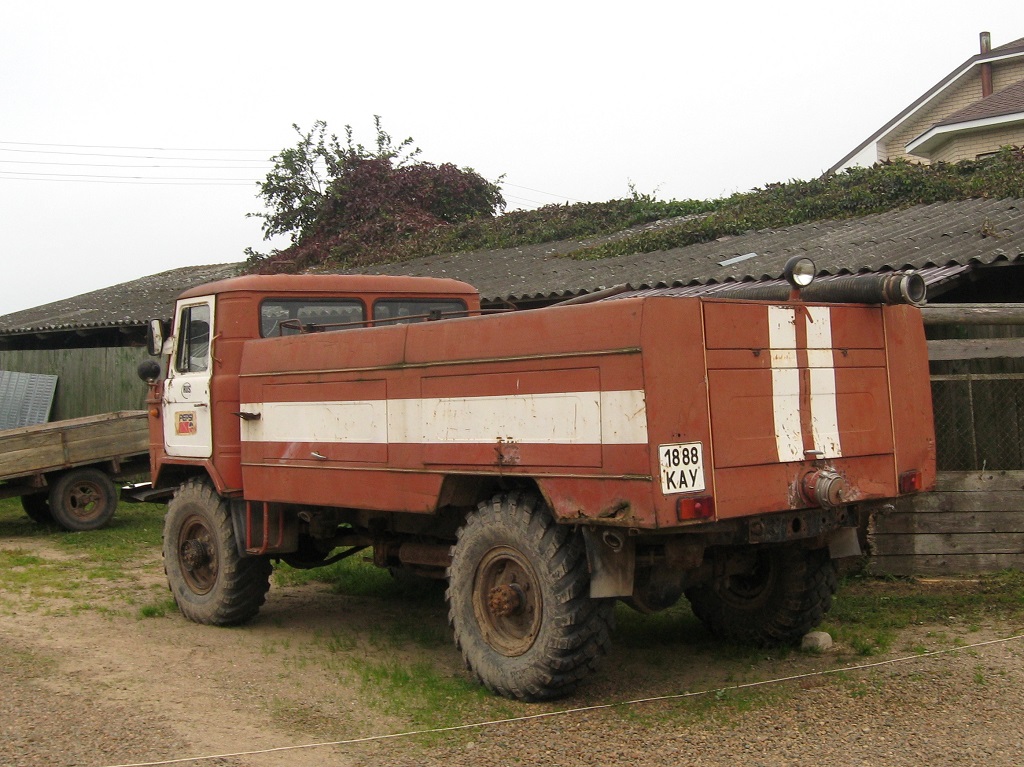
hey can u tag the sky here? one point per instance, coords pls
(133, 135)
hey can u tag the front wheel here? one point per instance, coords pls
(83, 499)
(519, 602)
(210, 581)
(783, 594)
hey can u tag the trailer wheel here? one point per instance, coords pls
(83, 499)
(784, 595)
(519, 602)
(210, 581)
(37, 506)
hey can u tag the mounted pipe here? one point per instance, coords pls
(888, 288)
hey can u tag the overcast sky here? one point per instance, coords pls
(132, 134)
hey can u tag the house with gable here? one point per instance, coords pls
(972, 112)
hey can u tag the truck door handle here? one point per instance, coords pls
(317, 455)
(248, 416)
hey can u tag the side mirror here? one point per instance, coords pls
(155, 335)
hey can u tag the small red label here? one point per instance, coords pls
(186, 423)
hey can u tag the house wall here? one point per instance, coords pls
(89, 381)
(969, 146)
(964, 93)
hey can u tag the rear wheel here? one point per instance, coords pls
(782, 596)
(83, 499)
(519, 603)
(37, 506)
(210, 581)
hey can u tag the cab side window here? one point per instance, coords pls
(193, 354)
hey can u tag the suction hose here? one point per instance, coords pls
(887, 288)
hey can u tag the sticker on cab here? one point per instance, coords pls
(682, 467)
(186, 424)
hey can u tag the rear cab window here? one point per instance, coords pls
(287, 317)
(398, 311)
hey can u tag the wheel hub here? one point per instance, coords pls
(194, 554)
(506, 600)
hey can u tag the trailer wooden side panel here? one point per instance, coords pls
(75, 442)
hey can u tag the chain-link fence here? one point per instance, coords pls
(978, 400)
(978, 421)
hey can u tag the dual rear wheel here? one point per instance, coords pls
(785, 594)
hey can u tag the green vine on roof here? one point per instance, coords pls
(856, 192)
(359, 239)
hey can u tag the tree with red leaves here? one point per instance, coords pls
(345, 204)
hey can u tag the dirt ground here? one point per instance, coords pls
(87, 682)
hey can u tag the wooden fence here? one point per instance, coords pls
(974, 521)
(89, 381)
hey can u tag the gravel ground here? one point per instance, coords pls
(88, 683)
(962, 707)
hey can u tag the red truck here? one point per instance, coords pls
(545, 463)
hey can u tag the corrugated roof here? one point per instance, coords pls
(950, 234)
(127, 304)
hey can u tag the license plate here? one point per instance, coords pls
(682, 467)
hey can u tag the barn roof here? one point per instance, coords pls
(942, 236)
(129, 304)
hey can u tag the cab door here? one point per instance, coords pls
(186, 400)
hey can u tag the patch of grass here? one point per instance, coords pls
(84, 565)
(158, 609)
(979, 676)
(417, 691)
(352, 576)
(868, 612)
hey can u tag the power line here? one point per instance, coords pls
(55, 149)
(541, 191)
(121, 165)
(155, 181)
(137, 178)
(134, 148)
(133, 156)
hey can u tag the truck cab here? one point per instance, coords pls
(194, 416)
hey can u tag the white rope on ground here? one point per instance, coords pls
(580, 710)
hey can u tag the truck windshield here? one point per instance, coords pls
(395, 311)
(286, 317)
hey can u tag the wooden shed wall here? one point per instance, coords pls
(974, 521)
(89, 381)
